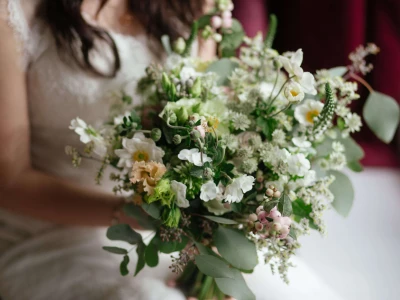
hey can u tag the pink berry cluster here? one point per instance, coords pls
(277, 225)
(221, 20)
(224, 21)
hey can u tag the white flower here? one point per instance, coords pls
(342, 111)
(89, 135)
(298, 165)
(293, 92)
(194, 156)
(217, 207)
(353, 122)
(250, 165)
(307, 111)
(337, 161)
(180, 191)
(234, 192)
(138, 148)
(301, 142)
(292, 65)
(240, 121)
(187, 73)
(279, 137)
(208, 191)
(338, 147)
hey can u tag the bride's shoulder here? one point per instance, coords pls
(22, 17)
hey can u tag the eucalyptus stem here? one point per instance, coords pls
(275, 83)
(362, 81)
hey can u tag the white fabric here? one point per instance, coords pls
(40, 261)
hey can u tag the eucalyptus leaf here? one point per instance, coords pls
(337, 71)
(136, 212)
(381, 113)
(235, 287)
(235, 248)
(285, 206)
(203, 250)
(355, 166)
(123, 232)
(115, 250)
(224, 68)
(153, 209)
(204, 21)
(213, 266)
(293, 233)
(353, 151)
(221, 220)
(141, 252)
(270, 205)
(123, 267)
(342, 189)
(151, 255)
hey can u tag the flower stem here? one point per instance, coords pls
(280, 91)
(175, 127)
(283, 109)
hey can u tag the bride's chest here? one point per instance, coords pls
(59, 91)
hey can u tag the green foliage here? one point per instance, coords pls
(136, 212)
(141, 252)
(382, 114)
(342, 189)
(214, 266)
(123, 232)
(232, 38)
(273, 25)
(221, 220)
(123, 267)
(338, 71)
(115, 250)
(235, 248)
(285, 206)
(191, 39)
(152, 209)
(235, 287)
(302, 210)
(355, 166)
(162, 192)
(151, 255)
(170, 246)
(223, 68)
(203, 21)
(171, 216)
(267, 126)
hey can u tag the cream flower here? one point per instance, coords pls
(147, 174)
(180, 191)
(139, 148)
(208, 191)
(293, 92)
(307, 111)
(234, 192)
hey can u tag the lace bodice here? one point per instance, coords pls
(58, 92)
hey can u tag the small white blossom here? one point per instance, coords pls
(338, 147)
(301, 142)
(293, 92)
(180, 191)
(307, 111)
(250, 165)
(234, 192)
(337, 161)
(279, 137)
(240, 121)
(208, 191)
(194, 156)
(298, 165)
(353, 122)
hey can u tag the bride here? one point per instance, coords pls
(59, 60)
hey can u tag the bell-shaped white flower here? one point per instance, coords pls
(307, 111)
(194, 156)
(208, 191)
(234, 192)
(138, 148)
(180, 193)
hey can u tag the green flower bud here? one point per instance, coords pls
(182, 115)
(171, 116)
(179, 45)
(171, 217)
(192, 123)
(172, 92)
(165, 82)
(195, 135)
(196, 88)
(177, 139)
(156, 134)
(277, 64)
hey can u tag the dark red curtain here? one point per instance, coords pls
(327, 31)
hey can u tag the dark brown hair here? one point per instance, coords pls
(76, 38)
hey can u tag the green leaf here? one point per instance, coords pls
(270, 205)
(136, 212)
(342, 189)
(123, 267)
(235, 287)
(232, 38)
(338, 71)
(115, 250)
(123, 232)
(203, 250)
(203, 21)
(293, 233)
(213, 266)
(353, 151)
(224, 68)
(355, 166)
(302, 210)
(235, 248)
(285, 206)
(273, 24)
(141, 252)
(267, 126)
(381, 113)
(151, 255)
(153, 209)
(197, 172)
(221, 220)
(171, 246)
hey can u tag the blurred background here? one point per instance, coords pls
(359, 257)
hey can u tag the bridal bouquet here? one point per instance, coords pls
(233, 159)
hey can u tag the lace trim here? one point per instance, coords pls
(12, 11)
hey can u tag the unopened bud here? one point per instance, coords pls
(216, 22)
(277, 226)
(253, 217)
(195, 135)
(277, 194)
(165, 82)
(179, 45)
(172, 117)
(196, 88)
(208, 173)
(156, 134)
(269, 192)
(182, 115)
(177, 139)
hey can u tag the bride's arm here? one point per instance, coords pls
(23, 189)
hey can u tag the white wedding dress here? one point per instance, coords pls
(42, 261)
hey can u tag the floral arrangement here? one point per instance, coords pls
(243, 156)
